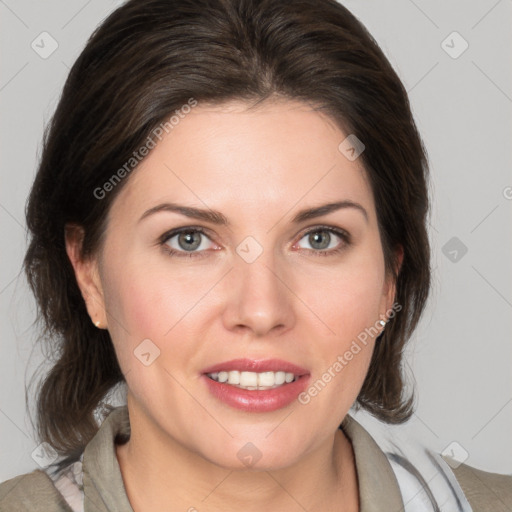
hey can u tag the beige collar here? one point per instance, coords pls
(104, 489)
(378, 486)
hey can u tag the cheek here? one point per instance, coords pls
(134, 302)
(347, 301)
(148, 299)
(145, 317)
(344, 352)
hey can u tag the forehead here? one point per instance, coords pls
(246, 159)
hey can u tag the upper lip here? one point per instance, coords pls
(257, 366)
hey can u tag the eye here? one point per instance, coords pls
(194, 242)
(186, 242)
(325, 241)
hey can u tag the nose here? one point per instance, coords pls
(259, 297)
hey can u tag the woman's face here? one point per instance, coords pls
(255, 277)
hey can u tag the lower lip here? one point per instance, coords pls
(266, 400)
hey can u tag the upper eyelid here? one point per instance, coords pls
(171, 233)
(319, 227)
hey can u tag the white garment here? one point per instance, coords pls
(426, 481)
(69, 482)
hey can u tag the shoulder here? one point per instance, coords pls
(32, 491)
(485, 491)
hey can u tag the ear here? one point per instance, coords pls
(86, 274)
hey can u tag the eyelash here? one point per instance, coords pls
(342, 234)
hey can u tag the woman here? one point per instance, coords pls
(229, 219)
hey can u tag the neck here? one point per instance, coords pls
(161, 474)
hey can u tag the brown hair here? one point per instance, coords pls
(147, 59)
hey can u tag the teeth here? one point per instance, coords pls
(280, 378)
(234, 377)
(266, 379)
(248, 379)
(253, 380)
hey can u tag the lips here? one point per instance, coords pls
(256, 399)
(257, 366)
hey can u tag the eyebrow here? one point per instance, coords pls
(325, 209)
(215, 217)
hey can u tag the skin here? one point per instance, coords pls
(291, 303)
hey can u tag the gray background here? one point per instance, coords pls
(461, 354)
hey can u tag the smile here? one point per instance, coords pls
(254, 385)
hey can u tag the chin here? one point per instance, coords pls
(259, 455)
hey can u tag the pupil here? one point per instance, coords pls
(187, 242)
(316, 238)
